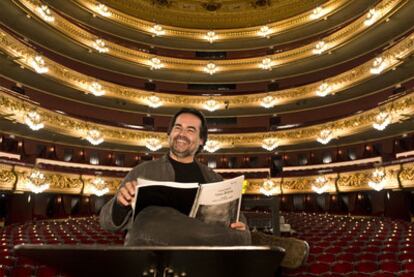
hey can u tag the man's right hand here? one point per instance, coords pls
(126, 193)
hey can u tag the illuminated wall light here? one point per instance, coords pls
(33, 120)
(381, 121)
(96, 89)
(211, 36)
(321, 185)
(38, 64)
(212, 146)
(377, 180)
(265, 31)
(372, 16)
(94, 136)
(317, 13)
(270, 143)
(325, 136)
(45, 13)
(103, 10)
(320, 47)
(269, 188)
(268, 102)
(210, 68)
(153, 144)
(157, 30)
(154, 101)
(211, 105)
(37, 182)
(266, 64)
(378, 65)
(324, 89)
(155, 63)
(99, 187)
(100, 46)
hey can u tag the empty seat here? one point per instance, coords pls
(367, 267)
(342, 267)
(319, 268)
(390, 266)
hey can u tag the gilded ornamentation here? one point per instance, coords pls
(7, 177)
(407, 175)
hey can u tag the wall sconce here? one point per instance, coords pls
(94, 136)
(155, 63)
(264, 31)
(99, 187)
(325, 136)
(266, 64)
(154, 101)
(377, 179)
(211, 36)
(33, 120)
(212, 146)
(321, 185)
(38, 64)
(37, 182)
(96, 89)
(372, 16)
(381, 121)
(323, 90)
(269, 188)
(153, 144)
(103, 10)
(211, 105)
(157, 30)
(100, 46)
(268, 101)
(320, 47)
(45, 13)
(270, 143)
(210, 68)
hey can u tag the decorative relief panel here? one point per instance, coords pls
(7, 177)
(407, 175)
(108, 182)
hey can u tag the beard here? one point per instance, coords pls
(187, 152)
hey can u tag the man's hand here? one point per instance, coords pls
(126, 193)
(238, 226)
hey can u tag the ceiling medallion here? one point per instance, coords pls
(268, 102)
(94, 136)
(154, 101)
(210, 68)
(103, 10)
(211, 105)
(153, 144)
(270, 143)
(45, 13)
(325, 136)
(33, 120)
(38, 64)
(100, 46)
(381, 121)
(212, 146)
(321, 185)
(96, 89)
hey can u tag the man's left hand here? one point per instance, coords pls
(238, 226)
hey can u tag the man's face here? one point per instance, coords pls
(184, 138)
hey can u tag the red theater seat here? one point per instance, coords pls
(342, 267)
(319, 268)
(390, 266)
(367, 267)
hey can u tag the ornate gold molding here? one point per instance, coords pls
(335, 40)
(7, 177)
(23, 55)
(400, 109)
(407, 175)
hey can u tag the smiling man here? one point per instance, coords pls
(167, 222)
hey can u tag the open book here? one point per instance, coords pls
(217, 203)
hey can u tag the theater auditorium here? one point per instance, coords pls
(312, 101)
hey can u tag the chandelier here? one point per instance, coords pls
(378, 65)
(211, 36)
(269, 188)
(372, 16)
(381, 121)
(320, 47)
(270, 143)
(268, 102)
(103, 10)
(325, 136)
(37, 182)
(38, 64)
(266, 64)
(321, 185)
(155, 63)
(33, 120)
(153, 144)
(157, 30)
(154, 101)
(211, 105)
(210, 68)
(94, 136)
(45, 13)
(265, 31)
(212, 146)
(96, 89)
(316, 13)
(377, 179)
(100, 46)
(323, 89)
(99, 187)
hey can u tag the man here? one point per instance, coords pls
(168, 223)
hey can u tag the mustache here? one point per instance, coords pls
(181, 138)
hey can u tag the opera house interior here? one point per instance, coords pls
(312, 101)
